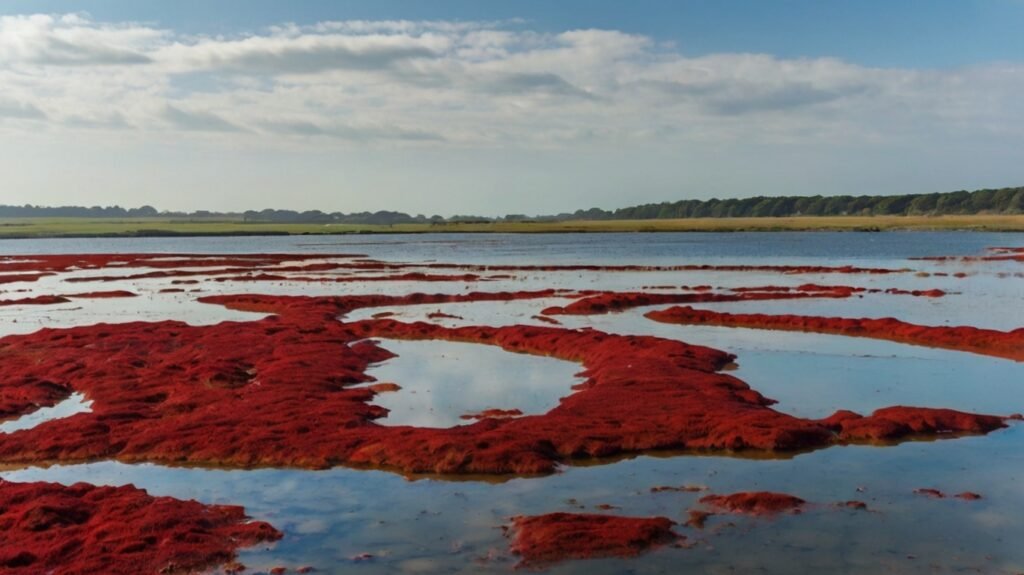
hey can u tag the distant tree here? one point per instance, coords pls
(1016, 204)
(924, 204)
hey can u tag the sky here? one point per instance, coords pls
(489, 108)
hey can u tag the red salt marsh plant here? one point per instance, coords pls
(280, 391)
(1005, 344)
(82, 529)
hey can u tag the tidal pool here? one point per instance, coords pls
(346, 520)
(445, 383)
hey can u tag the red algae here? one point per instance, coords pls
(1005, 344)
(82, 529)
(606, 302)
(697, 518)
(442, 315)
(682, 488)
(30, 394)
(281, 391)
(840, 291)
(102, 294)
(754, 502)
(968, 496)
(930, 492)
(995, 254)
(547, 320)
(492, 413)
(782, 269)
(14, 278)
(897, 422)
(542, 540)
(917, 293)
(410, 276)
(37, 300)
(71, 262)
(273, 263)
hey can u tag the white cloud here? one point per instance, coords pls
(198, 121)
(44, 40)
(457, 86)
(471, 83)
(20, 111)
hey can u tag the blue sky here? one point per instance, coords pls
(914, 33)
(493, 107)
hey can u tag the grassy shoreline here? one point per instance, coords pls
(24, 228)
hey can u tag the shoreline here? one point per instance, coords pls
(84, 228)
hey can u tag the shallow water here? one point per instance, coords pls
(452, 524)
(75, 403)
(444, 382)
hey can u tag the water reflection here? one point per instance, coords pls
(75, 403)
(439, 526)
(442, 381)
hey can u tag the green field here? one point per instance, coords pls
(86, 227)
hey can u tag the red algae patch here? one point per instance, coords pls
(492, 414)
(995, 254)
(896, 422)
(754, 503)
(83, 529)
(14, 278)
(542, 540)
(936, 494)
(1005, 344)
(697, 518)
(442, 315)
(282, 391)
(782, 269)
(242, 263)
(606, 302)
(71, 262)
(102, 294)
(681, 488)
(547, 320)
(38, 300)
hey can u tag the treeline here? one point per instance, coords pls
(989, 201)
(76, 212)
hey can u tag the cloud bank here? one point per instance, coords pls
(444, 83)
(472, 86)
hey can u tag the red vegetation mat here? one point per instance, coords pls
(102, 294)
(171, 265)
(13, 278)
(38, 300)
(1006, 344)
(83, 530)
(669, 268)
(996, 254)
(606, 302)
(754, 502)
(71, 262)
(278, 391)
(545, 539)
